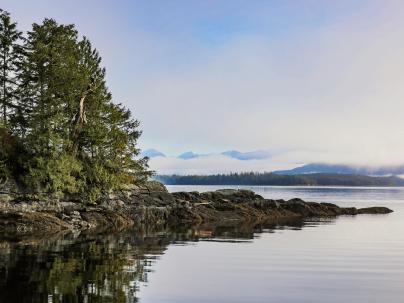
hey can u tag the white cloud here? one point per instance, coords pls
(314, 91)
(211, 164)
(336, 91)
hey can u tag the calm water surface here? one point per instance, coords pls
(351, 259)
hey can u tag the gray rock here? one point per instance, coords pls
(152, 205)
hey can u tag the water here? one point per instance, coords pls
(352, 259)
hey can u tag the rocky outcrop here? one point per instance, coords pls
(152, 205)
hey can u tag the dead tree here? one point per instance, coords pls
(80, 117)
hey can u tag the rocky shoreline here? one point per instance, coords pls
(152, 205)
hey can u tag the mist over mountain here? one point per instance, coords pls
(343, 169)
(191, 162)
(188, 155)
(253, 155)
(235, 154)
(152, 153)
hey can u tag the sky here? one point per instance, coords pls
(308, 80)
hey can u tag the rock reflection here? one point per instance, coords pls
(101, 268)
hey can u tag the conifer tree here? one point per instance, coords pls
(78, 139)
(104, 135)
(46, 89)
(10, 57)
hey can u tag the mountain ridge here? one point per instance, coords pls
(235, 154)
(313, 168)
(152, 153)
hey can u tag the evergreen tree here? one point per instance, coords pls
(103, 134)
(10, 57)
(46, 90)
(77, 139)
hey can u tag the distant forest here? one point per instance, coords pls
(320, 179)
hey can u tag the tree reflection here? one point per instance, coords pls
(100, 268)
(86, 269)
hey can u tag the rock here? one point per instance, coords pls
(153, 186)
(5, 197)
(227, 192)
(152, 205)
(75, 214)
(34, 222)
(374, 210)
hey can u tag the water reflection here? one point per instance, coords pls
(103, 268)
(68, 270)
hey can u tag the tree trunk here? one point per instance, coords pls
(4, 91)
(80, 118)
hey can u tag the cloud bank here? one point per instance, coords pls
(212, 164)
(328, 94)
(313, 81)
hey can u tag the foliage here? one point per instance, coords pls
(62, 114)
(5, 152)
(10, 59)
(12, 156)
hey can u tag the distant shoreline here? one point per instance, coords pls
(286, 186)
(272, 179)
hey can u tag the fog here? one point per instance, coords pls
(315, 82)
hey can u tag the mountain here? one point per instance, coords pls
(152, 153)
(253, 155)
(343, 169)
(235, 154)
(188, 155)
(280, 180)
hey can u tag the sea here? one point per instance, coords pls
(345, 259)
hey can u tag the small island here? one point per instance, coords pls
(69, 158)
(151, 205)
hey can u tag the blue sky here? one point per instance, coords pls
(309, 80)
